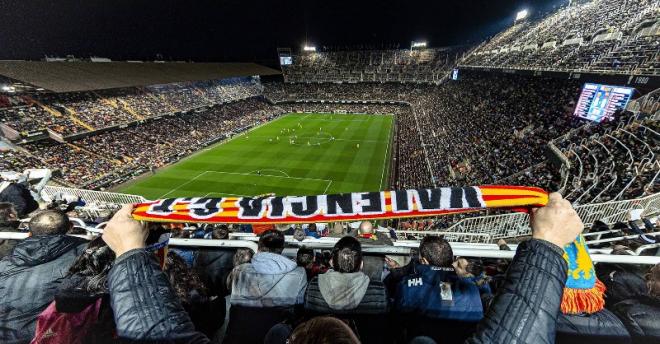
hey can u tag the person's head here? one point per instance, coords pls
(93, 265)
(242, 256)
(436, 251)
(366, 227)
(271, 241)
(220, 232)
(183, 280)
(337, 229)
(653, 281)
(323, 330)
(49, 222)
(312, 227)
(347, 255)
(8, 215)
(305, 256)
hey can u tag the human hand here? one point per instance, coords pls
(557, 222)
(123, 234)
(391, 263)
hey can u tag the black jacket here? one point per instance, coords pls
(19, 195)
(640, 316)
(526, 307)
(622, 282)
(29, 279)
(144, 304)
(6, 245)
(599, 328)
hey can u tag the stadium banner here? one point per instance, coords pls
(340, 207)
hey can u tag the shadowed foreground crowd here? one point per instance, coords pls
(60, 288)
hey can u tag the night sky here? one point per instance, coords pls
(240, 30)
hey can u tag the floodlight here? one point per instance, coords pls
(310, 48)
(418, 45)
(521, 15)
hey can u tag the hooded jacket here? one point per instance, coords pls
(29, 279)
(270, 280)
(336, 292)
(640, 316)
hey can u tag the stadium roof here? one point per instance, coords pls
(86, 76)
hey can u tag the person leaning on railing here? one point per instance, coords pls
(146, 308)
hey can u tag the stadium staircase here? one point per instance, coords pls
(74, 118)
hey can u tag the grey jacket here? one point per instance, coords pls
(270, 280)
(335, 292)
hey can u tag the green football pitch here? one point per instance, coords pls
(295, 154)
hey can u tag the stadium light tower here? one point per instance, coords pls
(521, 15)
(309, 48)
(417, 45)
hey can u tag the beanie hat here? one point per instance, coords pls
(583, 292)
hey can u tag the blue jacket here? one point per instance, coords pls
(421, 293)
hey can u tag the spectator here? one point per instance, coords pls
(434, 297)
(206, 314)
(344, 288)
(305, 258)
(347, 292)
(82, 303)
(311, 231)
(264, 291)
(367, 235)
(8, 223)
(31, 274)
(640, 313)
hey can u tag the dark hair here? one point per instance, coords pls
(183, 280)
(436, 250)
(305, 256)
(271, 241)
(312, 227)
(8, 214)
(49, 222)
(347, 255)
(93, 265)
(220, 232)
(242, 256)
(323, 330)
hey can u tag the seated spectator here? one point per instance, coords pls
(349, 293)
(344, 288)
(305, 258)
(82, 305)
(473, 270)
(29, 276)
(206, 314)
(264, 291)
(640, 314)
(8, 223)
(241, 256)
(367, 235)
(311, 231)
(434, 298)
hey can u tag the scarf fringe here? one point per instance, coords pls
(577, 301)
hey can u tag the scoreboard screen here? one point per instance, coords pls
(285, 60)
(599, 102)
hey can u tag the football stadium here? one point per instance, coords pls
(312, 173)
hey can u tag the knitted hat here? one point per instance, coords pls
(583, 292)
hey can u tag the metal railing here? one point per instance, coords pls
(49, 192)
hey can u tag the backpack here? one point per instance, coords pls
(55, 327)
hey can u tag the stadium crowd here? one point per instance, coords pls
(591, 35)
(114, 288)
